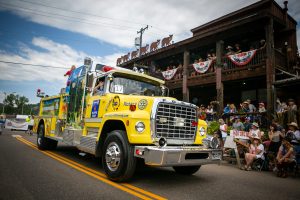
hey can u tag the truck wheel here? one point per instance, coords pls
(44, 143)
(186, 170)
(118, 158)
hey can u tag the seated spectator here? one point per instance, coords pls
(229, 50)
(237, 48)
(285, 157)
(255, 131)
(226, 109)
(262, 44)
(208, 57)
(295, 137)
(201, 112)
(244, 107)
(261, 107)
(256, 150)
(274, 137)
(252, 108)
(279, 127)
(294, 129)
(209, 113)
(247, 124)
(232, 108)
(237, 124)
(213, 56)
(292, 111)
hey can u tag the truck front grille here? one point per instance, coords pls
(175, 121)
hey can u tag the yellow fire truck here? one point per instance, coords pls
(130, 118)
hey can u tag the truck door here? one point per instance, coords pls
(95, 106)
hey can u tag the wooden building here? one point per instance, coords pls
(267, 75)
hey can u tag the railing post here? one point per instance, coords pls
(186, 62)
(219, 83)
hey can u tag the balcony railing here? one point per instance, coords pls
(257, 60)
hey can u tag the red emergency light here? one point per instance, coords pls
(107, 68)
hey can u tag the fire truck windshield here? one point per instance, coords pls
(131, 85)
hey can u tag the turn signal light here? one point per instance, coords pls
(139, 152)
(132, 107)
(194, 123)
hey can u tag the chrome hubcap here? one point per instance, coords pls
(112, 156)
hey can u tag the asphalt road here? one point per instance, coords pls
(27, 173)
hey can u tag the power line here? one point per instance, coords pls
(74, 11)
(73, 19)
(84, 13)
(29, 64)
(66, 17)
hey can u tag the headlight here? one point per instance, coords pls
(202, 131)
(211, 142)
(139, 127)
(214, 142)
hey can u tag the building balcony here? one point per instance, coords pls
(230, 71)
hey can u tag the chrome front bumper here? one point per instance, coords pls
(178, 155)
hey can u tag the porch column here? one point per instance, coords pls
(152, 69)
(270, 66)
(186, 62)
(219, 83)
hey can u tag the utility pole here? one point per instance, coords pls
(3, 108)
(141, 31)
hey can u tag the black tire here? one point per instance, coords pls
(122, 168)
(44, 143)
(186, 170)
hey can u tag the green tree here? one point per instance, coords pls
(10, 100)
(9, 103)
(15, 104)
(21, 101)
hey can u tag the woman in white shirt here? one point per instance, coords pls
(223, 129)
(256, 150)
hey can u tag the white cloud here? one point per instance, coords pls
(52, 54)
(167, 17)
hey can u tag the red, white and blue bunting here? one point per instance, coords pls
(202, 67)
(242, 58)
(169, 74)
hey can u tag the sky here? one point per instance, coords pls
(62, 33)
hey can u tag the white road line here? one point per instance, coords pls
(16, 136)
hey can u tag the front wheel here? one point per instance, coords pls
(118, 158)
(44, 143)
(186, 170)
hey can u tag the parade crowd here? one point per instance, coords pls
(275, 144)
